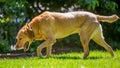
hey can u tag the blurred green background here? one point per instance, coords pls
(15, 13)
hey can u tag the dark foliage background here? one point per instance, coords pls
(15, 13)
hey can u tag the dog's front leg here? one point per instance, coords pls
(48, 51)
(48, 44)
(40, 47)
(49, 48)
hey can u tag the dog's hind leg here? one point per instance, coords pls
(99, 39)
(84, 40)
(85, 36)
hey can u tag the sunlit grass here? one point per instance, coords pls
(96, 59)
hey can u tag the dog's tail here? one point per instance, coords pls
(108, 19)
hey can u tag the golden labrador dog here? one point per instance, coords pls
(50, 26)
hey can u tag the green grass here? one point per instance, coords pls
(96, 59)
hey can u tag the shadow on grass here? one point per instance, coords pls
(79, 57)
(75, 57)
(95, 57)
(66, 57)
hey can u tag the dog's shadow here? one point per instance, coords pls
(76, 57)
(95, 57)
(66, 57)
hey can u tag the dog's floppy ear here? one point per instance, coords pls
(28, 26)
(28, 31)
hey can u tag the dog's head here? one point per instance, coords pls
(24, 38)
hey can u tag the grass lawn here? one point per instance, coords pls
(96, 59)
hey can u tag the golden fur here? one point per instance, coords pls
(50, 26)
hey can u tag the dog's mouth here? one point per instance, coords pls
(26, 46)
